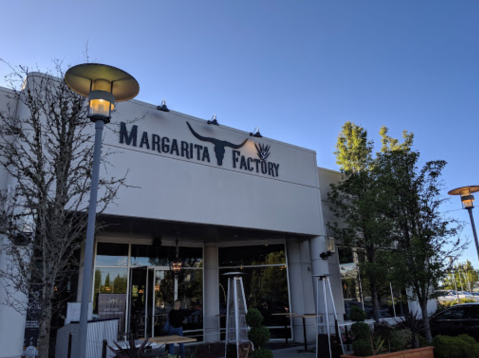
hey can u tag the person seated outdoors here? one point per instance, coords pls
(177, 319)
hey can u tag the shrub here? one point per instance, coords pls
(473, 351)
(400, 339)
(262, 353)
(362, 348)
(422, 341)
(455, 347)
(357, 314)
(259, 335)
(360, 330)
(254, 318)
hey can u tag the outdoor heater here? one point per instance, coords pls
(467, 200)
(103, 85)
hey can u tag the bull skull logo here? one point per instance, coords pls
(219, 145)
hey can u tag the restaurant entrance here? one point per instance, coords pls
(152, 293)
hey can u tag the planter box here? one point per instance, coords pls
(425, 352)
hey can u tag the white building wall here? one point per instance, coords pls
(12, 322)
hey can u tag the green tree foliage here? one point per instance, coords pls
(359, 202)
(464, 275)
(388, 208)
(423, 237)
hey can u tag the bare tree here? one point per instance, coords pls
(46, 148)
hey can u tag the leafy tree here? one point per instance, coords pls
(45, 147)
(423, 236)
(464, 275)
(359, 202)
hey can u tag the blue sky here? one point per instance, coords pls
(296, 69)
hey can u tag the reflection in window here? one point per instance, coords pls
(111, 254)
(266, 287)
(146, 255)
(251, 255)
(190, 293)
(356, 289)
(110, 288)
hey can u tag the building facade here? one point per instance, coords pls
(216, 200)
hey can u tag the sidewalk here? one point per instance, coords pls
(293, 352)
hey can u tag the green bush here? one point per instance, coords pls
(473, 351)
(254, 318)
(423, 342)
(400, 339)
(455, 347)
(262, 353)
(360, 330)
(357, 314)
(259, 335)
(362, 348)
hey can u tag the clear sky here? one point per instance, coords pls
(297, 69)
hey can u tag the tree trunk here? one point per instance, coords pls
(375, 302)
(425, 318)
(44, 334)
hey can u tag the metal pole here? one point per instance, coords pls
(474, 230)
(392, 298)
(455, 286)
(90, 238)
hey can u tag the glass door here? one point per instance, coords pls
(162, 299)
(138, 302)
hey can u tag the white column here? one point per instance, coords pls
(12, 323)
(301, 287)
(211, 293)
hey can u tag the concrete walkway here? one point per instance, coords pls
(293, 352)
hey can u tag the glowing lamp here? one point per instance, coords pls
(175, 265)
(467, 199)
(103, 85)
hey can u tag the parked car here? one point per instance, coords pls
(447, 296)
(458, 319)
(468, 295)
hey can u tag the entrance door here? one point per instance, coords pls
(140, 302)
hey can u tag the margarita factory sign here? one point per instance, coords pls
(194, 151)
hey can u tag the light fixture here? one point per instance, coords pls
(325, 255)
(103, 85)
(176, 263)
(213, 121)
(256, 133)
(163, 107)
(467, 200)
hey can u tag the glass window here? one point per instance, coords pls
(109, 300)
(453, 313)
(252, 255)
(148, 255)
(191, 256)
(111, 254)
(190, 293)
(473, 312)
(265, 288)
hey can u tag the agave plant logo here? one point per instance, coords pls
(263, 151)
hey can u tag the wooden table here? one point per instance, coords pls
(173, 339)
(286, 315)
(304, 316)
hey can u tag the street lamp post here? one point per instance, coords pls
(467, 200)
(103, 85)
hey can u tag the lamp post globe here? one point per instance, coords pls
(103, 85)
(467, 200)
